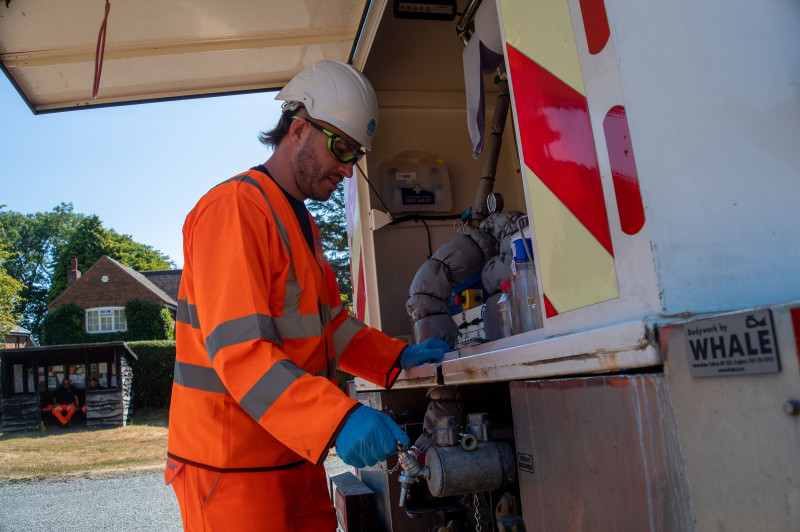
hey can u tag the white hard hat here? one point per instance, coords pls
(338, 94)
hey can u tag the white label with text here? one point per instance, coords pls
(738, 344)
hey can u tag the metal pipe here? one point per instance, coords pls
(493, 144)
(464, 23)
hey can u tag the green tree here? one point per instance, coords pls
(140, 257)
(90, 241)
(10, 289)
(36, 240)
(87, 243)
(332, 224)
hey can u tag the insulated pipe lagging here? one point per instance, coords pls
(429, 294)
(453, 263)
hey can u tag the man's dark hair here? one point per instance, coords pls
(275, 136)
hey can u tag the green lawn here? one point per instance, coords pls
(79, 450)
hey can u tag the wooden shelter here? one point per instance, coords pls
(30, 377)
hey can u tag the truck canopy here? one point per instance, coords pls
(162, 50)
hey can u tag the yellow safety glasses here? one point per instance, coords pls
(341, 148)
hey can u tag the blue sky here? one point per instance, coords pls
(140, 168)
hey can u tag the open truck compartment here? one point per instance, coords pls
(651, 250)
(637, 216)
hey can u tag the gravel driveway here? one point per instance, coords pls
(132, 502)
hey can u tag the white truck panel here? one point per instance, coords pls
(711, 94)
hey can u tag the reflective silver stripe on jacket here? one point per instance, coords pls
(269, 387)
(324, 313)
(187, 314)
(296, 327)
(327, 312)
(236, 331)
(334, 310)
(346, 331)
(291, 304)
(291, 324)
(198, 378)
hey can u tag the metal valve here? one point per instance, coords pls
(412, 469)
(450, 469)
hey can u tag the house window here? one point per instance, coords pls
(106, 319)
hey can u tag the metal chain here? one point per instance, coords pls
(478, 527)
(390, 471)
(418, 452)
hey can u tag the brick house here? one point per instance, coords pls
(18, 338)
(105, 289)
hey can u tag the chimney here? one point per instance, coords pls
(73, 274)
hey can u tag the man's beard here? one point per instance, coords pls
(308, 176)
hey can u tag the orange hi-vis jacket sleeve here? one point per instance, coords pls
(259, 329)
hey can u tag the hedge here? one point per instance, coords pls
(152, 372)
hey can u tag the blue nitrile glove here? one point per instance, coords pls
(367, 437)
(431, 350)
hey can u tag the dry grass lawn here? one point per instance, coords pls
(84, 450)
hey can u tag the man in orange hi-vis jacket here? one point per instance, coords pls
(261, 328)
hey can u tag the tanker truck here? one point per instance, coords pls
(630, 168)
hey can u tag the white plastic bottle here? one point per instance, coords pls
(506, 311)
(523, 287)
